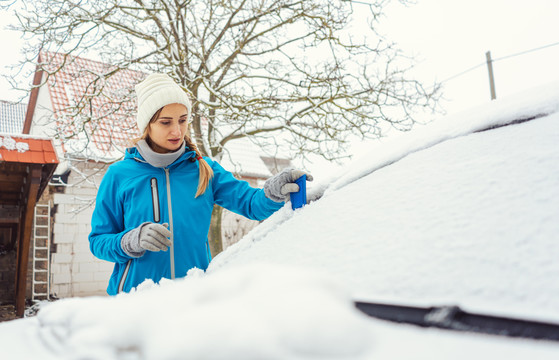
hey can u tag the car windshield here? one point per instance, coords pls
(463, 212)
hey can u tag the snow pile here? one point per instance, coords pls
(11, 144)
(250, 312)
(471, 221)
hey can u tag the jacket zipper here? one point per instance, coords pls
(172, 248)
(155, 200)
(123, 278)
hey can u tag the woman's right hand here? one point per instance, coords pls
(155, 237)
(148, 236)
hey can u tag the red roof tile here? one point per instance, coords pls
(7, 155)
(27, 157)
(35, 145)
(114, 123)
(50, 157)
(26, 149)
(37, 157)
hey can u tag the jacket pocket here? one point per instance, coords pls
(155, 200)
(124, 276)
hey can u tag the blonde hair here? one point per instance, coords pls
(205, 170)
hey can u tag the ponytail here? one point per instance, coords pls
(206, 172)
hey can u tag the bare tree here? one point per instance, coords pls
(255, 68)
(262, 69)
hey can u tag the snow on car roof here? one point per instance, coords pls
(469, 222)
(472, 219)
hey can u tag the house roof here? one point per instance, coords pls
(26, 149)
(12, 116)
(92, 96)
(19, 155)
(242, 157)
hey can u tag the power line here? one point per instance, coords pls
(462, 73)
(526, 51)
(480, 64)
(499, 59)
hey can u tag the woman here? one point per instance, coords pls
(161, 195)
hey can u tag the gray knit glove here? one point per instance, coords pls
(278, 187)
(148, 236)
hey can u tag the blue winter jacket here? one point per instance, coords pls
(133, 192)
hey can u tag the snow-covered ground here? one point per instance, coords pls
(440, 215)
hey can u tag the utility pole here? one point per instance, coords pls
(491, 78)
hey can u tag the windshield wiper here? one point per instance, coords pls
(454, 318)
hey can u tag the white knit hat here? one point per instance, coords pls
(156, 91)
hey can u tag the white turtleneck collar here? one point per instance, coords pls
(157, 159)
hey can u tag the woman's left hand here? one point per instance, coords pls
(278, 187)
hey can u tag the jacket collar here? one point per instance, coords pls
(135, 154)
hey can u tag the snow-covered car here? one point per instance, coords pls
(455, 221)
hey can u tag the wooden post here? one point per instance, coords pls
(33, 98)
(25, 239)
(216, 243)
(491, 78)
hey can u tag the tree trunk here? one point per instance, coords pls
(214, 236)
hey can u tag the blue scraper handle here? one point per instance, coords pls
(299, 198)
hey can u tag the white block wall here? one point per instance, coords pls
(234, 227)
(74, 270)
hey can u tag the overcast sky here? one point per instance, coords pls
(447, 37)
(451, 36)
